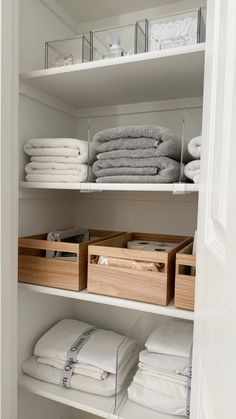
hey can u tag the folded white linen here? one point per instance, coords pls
(100, 350)
(35, 167)
(164, 363)
(55, 178)
(82, 369)
(181, 379)
(172, 337)
(65, 147)
(79, 382)
(74, 143)
(60, 151)
(157, 401)
(54, 172)
(82, 158)
(195, 147)
(192, 170)
(163, 384)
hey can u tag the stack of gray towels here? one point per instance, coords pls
(137, 154)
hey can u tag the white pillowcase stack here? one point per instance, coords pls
(162, 382)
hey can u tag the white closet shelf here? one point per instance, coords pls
(96, 187)
(133, 410)
(169, 310)
(159, 75)
(97, 405)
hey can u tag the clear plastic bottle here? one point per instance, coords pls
(115, 49)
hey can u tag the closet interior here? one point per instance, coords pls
(77, 101)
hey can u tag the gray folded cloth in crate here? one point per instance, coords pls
(115, 170)
(138, 137)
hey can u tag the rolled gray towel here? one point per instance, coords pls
(167, 171)
(138, 137)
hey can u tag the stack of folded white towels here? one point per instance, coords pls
(162, 380)
(76, 355)
(192, 169)
(58, 160)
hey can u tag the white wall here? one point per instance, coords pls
(177, 7)
(37, 25)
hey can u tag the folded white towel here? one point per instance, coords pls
(56, 178)
(192, 170)
(35, 167)
(82, 158)
(164, 363)
(100, 350)
(64, 147)
(172, 337)
(162, 384)
(195, 147)
(79, 382)
(82, 369)
(156, 401)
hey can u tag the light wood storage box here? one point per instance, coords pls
(185, 280)
(36, 268)
(145, 286)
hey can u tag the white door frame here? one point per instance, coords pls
(9, 206)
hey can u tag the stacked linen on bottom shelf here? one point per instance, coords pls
(75, 355)
(58, 160)
(137, 154)
(162, 380)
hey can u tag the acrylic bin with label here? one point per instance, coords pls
(37, 267)
(69, 51)
(119, 41)
(141, 275)
(187, 28)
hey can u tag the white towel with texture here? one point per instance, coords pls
(79, 382)
(65, 147)
(60, 159)
(37, 167)
(157, 401)
(172, 337)
(195, 147)
(192, 170)
(166, 363)
(175, 387)
(100, 350)
(33, 177)
(82, 369)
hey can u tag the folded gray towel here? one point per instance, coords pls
(169, 148)
(138, 137)
(112, 170)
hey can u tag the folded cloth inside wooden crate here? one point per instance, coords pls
(137, 265)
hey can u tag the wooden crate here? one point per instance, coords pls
(185, 279)
(36, 268)
(146, 286)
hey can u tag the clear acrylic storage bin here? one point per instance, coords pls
(119, 41)
(68, 51)
(135, 331)
(177, 30)
(184, 123)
